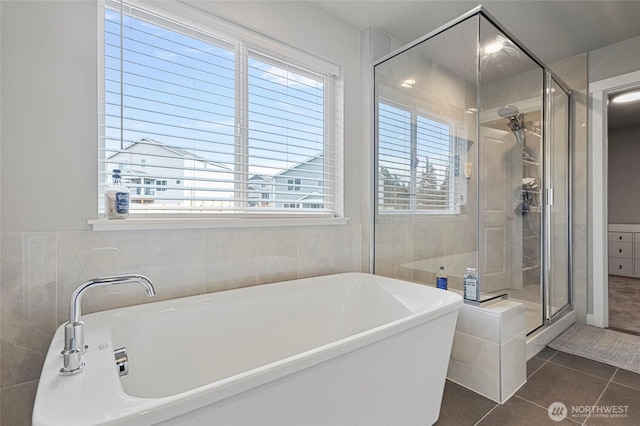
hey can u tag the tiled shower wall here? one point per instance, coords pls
(39, 271)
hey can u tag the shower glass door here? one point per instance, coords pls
(558, 198)
(510, 172)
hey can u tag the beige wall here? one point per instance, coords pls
(613, 60)
(49, 130)
(624, 175)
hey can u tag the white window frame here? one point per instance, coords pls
(187, 15)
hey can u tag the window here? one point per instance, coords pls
(416, 159)
(213, 113)
(294, 185)
(148, 187)
(135, 185)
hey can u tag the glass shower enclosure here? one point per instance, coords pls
(472, 167)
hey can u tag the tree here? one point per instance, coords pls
(432, 194)
(395, 193)
(445, 188)
(427, 187)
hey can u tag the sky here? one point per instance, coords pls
(181, 90)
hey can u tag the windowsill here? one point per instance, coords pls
(147, 223)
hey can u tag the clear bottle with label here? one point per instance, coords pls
(441, 279)
(471, 285)
(116, 198)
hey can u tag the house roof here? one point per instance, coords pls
(262, 177)
(281, 172)
(179, 151)
(134, 172)
(314, 197)
(307, 161)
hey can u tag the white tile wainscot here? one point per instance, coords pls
(489, 349)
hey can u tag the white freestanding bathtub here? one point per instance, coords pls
(344, 349)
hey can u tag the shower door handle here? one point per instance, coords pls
(550, 196)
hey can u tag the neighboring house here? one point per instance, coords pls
(260, 191)
(163, 176)
(301, 186)
(160, 176)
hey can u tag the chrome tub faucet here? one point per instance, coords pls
(74, 344)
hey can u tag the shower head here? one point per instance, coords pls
(508, 111)
(516, 121)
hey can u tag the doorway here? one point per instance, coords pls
(600, 92)
(623, 210)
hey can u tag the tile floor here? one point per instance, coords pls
(552, 376)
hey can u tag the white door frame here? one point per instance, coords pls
(599, 92)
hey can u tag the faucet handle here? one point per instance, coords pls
(71, 362)
(74, 347)
(74, 337)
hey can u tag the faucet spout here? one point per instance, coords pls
(76, 296)
(74, 344)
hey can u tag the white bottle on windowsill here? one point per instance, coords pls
(116, 198)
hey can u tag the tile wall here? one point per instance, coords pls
(489, 349)
(39, 271)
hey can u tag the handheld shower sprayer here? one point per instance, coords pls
(516, 121)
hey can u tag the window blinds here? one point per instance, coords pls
(415, 157)
(199, 124)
